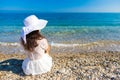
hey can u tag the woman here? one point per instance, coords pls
(37, 49)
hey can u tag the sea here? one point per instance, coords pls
(65, 32)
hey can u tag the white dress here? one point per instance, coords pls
(37, 62)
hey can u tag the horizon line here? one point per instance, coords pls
(30, 11)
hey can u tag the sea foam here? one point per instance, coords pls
(9, 44)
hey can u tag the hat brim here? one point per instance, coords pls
(40, 25)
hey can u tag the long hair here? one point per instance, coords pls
(31, 40)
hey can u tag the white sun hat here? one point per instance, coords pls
(32, 23)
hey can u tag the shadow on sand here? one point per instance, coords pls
(13, 65)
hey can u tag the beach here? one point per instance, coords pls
(79, 66)
(91, 61)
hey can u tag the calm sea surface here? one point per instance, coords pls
(64, 27)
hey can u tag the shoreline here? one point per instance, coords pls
(98, 46)
(85, 66)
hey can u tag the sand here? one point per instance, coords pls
(79, 66)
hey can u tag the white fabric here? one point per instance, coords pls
(32, 23)
(37, 62)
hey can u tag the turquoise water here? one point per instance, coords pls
(67, 32)
(65, 27)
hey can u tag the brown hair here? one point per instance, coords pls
(31, 39)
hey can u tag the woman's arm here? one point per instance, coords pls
(47, 49)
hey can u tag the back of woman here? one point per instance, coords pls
(37, 49)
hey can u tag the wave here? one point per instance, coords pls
(98, 46)
(97, 43)
(9, 44)
(63, 45)
(52, 44)
(100, 43)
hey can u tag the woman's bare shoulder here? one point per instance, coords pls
(42, 40)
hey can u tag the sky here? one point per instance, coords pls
(60, 5)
